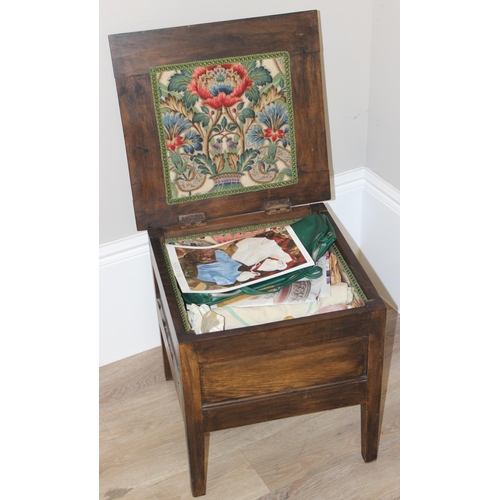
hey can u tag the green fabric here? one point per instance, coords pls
(316, 233)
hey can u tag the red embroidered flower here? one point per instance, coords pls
(175, 143)
(274, 136)
(220, 86)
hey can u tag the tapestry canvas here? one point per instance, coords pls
(225, 126)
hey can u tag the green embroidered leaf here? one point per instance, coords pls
(189, 100)
(176, 159)
(249, 65)
(240, 105)
(179, 82)
(248, 113)
(199, 117)
(270, 160)
(162, 89)
(246, 160)
(260, 76)
(271, 149)
(253, 94)
(205, 164)
(223, 123)
(232, 127)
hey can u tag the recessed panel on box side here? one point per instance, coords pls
(284, 371)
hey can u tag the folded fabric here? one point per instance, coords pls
(229, 317)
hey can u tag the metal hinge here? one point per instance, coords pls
(274, 207)
(192, 220)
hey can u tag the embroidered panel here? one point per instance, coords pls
(225, 126)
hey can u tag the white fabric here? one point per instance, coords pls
(229, 317)
(253, 250)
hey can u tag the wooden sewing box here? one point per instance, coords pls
(251, 374)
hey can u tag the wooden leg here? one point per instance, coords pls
(197, 444)
(196, 438)
(370, 434)
(370, 411)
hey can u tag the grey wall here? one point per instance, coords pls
(382, 154)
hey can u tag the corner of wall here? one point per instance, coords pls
(127, 314)
(367, 208)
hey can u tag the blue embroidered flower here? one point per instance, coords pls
(274, 116)
(192, 142)
(255, 136)
(174, 126)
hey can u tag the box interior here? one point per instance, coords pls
(337, 290)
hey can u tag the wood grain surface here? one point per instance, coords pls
(133, 54)
(143, 451)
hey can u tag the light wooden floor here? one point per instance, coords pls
(312, 457)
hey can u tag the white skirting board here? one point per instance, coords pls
(127, 312)
(366, 208)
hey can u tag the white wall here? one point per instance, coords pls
(382, 154)
(367, 209)
(346, 34)
(128, 320)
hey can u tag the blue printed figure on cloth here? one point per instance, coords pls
(224, 271)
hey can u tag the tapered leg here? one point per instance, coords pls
(197, 444)
(196, 438)
(370, 434)
(370, 411)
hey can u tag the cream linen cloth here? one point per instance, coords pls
(204, 320)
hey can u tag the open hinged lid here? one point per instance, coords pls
(221, 118)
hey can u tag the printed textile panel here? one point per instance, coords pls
(225, 126)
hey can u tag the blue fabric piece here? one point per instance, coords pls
(223, 272)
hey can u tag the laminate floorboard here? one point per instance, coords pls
(143, 453)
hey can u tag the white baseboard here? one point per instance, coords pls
(366, 208)
(127, 312)
(364, 178)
